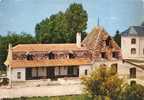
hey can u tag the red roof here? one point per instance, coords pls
(46, 47)
(49, 63)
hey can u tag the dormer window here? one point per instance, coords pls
(108, 41)
(29, 56)
(71, 55)
(103, 55)
(115, 54)
(133, 41)
(51, 55)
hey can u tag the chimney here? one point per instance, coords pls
(10, 51)
(78, 39)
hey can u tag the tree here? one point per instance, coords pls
(77, 19)
(142, 24)
(133, 92)
(117, 38)
(14, 39)
(102, 82)
(52, 30)
(62, 27)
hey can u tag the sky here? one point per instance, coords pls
(22, 15)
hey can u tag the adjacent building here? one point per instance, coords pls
(132, 43)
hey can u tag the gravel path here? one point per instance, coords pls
(41, 91)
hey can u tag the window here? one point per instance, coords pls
(86, 72)
(114, 68)
(108, 40)
(132, 72)
(115, 54)
(133, 41)
(29, 56)
(103, 55)
(71, 55)
(18, 75)
(51, 55)
(133, 51)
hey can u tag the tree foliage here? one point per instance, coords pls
(62, 27)
(14, 39)
(117, 38)
(102, 82)
(133, 92)
(142, 24)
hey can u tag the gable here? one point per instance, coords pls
(98, 41)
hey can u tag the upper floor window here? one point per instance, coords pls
(18, 75)
(133, 41)
(51, 55)
(108, 41)
(103, 54)
(115, 54)
(29, 56)
(133, 50)
(71, 55)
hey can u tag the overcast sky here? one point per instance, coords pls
(22, 15)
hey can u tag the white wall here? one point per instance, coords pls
(124, 70)
(82, 69)
(141, 46)
(126, 47)
(14, 72)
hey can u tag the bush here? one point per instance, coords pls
(5, 81)
(133, 92)
(102, 82)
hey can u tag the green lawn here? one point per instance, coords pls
(80, 97)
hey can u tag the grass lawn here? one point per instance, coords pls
(76, 97)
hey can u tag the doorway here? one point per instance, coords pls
(51, 72)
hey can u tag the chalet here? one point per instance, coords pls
(42, 61)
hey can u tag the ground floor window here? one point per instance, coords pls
(86, 72)
(18, 75)
(114, 68)
(133, 72)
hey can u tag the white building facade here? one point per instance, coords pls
(132, 43)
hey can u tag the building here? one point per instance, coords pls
(132, 42)
(102, 46)
(132, 46)
(42, 61)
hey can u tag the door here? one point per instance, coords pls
(70, 71)
(51, 72)
(28, 73)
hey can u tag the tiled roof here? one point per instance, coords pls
(49, 63)
(94, 40)
(134, 31)
(46, 47)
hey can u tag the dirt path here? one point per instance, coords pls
(41, 91)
